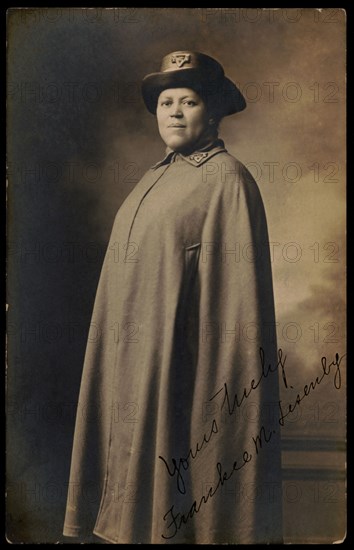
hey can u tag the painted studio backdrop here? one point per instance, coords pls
(79, 138)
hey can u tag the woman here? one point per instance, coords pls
(177, 438)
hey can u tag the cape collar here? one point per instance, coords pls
(197, 158)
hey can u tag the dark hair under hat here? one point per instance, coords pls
(205, 75)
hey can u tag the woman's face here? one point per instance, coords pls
(182, 118)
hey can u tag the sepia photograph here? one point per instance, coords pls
(176, 276)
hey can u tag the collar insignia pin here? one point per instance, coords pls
(198, 157)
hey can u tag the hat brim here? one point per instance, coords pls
(221, 92)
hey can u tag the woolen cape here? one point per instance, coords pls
(183, 320)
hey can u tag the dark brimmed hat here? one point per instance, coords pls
(205, 75)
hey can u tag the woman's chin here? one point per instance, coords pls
(178, 145)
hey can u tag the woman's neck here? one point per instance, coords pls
(205, 140)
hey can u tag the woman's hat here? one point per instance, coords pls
(200, 72)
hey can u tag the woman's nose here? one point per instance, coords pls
(176, 112)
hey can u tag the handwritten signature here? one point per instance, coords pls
(183, 463)
(177, 520)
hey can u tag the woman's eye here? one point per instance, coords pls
(166, 103)
(190, 102)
